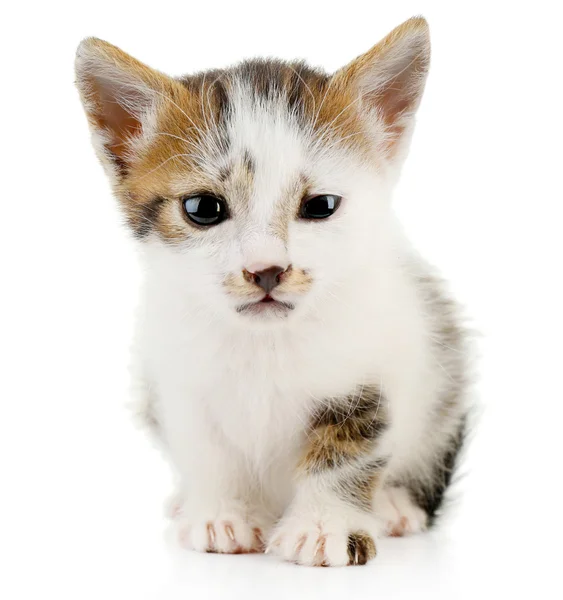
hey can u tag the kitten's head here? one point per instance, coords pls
(261, 189)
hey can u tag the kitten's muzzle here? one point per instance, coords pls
(267, 279)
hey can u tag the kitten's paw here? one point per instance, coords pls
(399, 514)
(323, 543)
(225, 531)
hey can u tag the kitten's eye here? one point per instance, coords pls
(205, 209)
(320, 207)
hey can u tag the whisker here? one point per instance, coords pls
(177, 137)
(166, 97)
(201, 93)
(305, 84)
(218, 139)
(323, 101)
(176, 156)
(327, 127)
(353, 407)
(338, 140)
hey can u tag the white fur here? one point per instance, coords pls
(234, 396)
(230, 395)
(315, 529)
(398, 513)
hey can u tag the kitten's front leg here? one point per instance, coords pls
(213, 509)
(331, 521)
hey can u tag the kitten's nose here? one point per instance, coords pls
(267, 279)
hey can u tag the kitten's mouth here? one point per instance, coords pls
(267, 305)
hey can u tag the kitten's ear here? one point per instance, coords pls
(120, 97)
(390, 77)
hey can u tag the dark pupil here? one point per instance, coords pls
(204, 210)
(319, 207)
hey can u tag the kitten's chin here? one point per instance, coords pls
(265, 311)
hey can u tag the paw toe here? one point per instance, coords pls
(231, 535)
(336, 550)
(361, 548)
(322, 544)
(400, 515)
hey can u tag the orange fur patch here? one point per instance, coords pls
(155, 167)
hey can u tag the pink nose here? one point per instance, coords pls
(267, 279)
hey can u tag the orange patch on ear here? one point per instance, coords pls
(390, 77)
(117, 92)
(146, 125)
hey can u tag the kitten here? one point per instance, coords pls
(302, 367)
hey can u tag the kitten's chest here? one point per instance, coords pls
(262, 399)
(259, 389)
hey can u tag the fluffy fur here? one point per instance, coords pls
(306, 430)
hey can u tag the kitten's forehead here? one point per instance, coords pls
(255, 135)
(269, 108)
(269, 141)
(295, 85)
(260, 146)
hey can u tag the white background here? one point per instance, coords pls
(82, 490)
